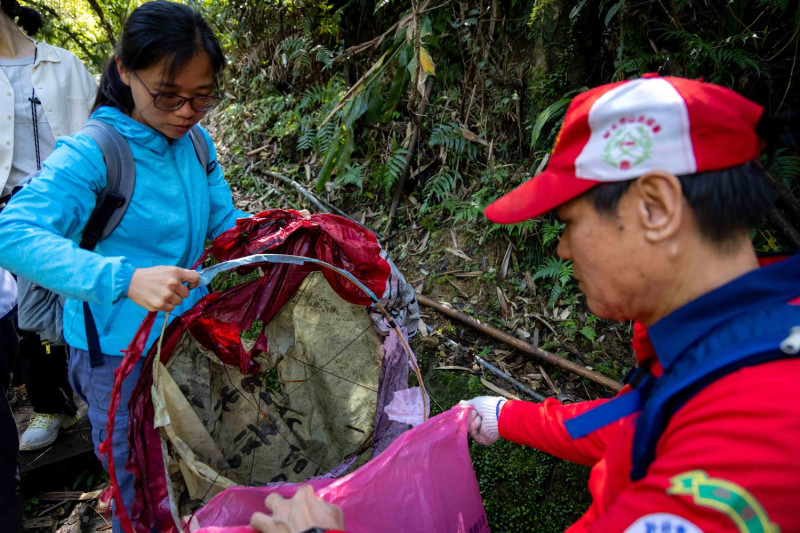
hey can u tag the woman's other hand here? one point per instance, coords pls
(301, 512)
(161, 288)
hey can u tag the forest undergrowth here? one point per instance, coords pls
(434, 110)
(410, 116)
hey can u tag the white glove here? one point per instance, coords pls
(483, 421)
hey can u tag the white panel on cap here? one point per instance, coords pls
(662, 523)
(637, 127)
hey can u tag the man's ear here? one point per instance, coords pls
(660, 203)
(124, 73)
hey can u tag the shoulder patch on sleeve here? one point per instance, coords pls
(726, 497)
(662, 523)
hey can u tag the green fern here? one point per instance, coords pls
(323, 55)
(294, 49)
(324, 137)
(450, 137)
(305, 139)
(786, 167)
(741, 58)
(551, 231)
(466, 213)
(714, 59)
(389, 172)
(559, 271)
(320, 95)
(353, 175)
(639, 64)
(440, 186)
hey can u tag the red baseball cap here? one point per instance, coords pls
(623, 130)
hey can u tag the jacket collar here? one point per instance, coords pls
(136, 132)
(675, 333)
(44, 52)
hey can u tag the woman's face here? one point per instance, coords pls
(196, 78)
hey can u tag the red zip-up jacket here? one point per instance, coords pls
(729, 459)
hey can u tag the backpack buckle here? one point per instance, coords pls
(637, 377)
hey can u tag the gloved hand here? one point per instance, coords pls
(483, 418)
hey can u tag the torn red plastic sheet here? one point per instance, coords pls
(217, 320)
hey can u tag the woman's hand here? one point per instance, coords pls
(161, 288)
(301, 512)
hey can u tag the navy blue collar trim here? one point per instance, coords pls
(676, 332)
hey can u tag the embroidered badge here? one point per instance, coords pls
(725, 497)
(629, 141)
(662, 523)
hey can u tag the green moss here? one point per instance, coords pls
(523, 489)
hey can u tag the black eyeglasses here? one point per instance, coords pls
(171, 102)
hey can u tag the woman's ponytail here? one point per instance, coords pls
(28, 18)
(112, 91)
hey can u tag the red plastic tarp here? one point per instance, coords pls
(217, 320)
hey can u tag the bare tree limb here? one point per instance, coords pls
(412, 100)
(412, 150)
(785, 227)
(521, 345)
(103, 22)
(302, 190)
(786, 198)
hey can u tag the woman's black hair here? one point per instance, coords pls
(28, 18)
(153, 32)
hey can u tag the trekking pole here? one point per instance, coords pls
(517, 385)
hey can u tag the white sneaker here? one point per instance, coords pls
(43, 430)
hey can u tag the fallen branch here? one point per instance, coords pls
(521, 345)
(784, 226)
(36, 523)
(71, 495)
(786, 198)
(302, 190)
(257, 150)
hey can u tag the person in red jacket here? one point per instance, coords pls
(658, 183)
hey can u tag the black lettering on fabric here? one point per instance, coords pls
(300, 465)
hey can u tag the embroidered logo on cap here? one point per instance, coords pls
(630, 141)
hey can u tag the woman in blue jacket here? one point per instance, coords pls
(161, 82)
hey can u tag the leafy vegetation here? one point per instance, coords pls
(412, 116)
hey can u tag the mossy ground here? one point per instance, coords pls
(523, 489)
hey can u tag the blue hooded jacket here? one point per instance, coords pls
(175, 207)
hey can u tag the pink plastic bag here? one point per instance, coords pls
(424, 481)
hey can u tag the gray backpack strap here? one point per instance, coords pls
(201, 148)
(113, 200)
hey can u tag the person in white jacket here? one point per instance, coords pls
(45, 93)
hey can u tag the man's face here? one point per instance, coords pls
(606, 253)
